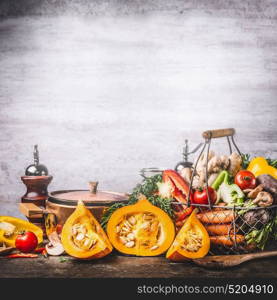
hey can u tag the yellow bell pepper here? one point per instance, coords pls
(10, 227)
(259, 166)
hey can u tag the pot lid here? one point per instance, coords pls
(90, 197)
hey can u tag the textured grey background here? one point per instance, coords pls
(108, 87)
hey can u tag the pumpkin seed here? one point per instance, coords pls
(87, 242)
(145, 225)
(123, 240)
(125, 229)
(80, 236)
(154, 247)
(132, 220)
(93, 243)
(127, 224)
(80, 228)
(130, 236)
(130, 244)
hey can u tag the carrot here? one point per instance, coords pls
(217, 217)
(220, 229)
(227, 240)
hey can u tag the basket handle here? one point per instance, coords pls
(218, 133)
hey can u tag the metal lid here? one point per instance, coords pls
(36, 169)
(90, 197)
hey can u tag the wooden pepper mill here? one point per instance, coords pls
(36, 180)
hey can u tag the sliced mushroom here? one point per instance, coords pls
(54, 247)
(263, 199)
(254, 193)
(8, 228)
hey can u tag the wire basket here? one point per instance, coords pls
(243, 222)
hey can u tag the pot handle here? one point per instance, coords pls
(30, 210)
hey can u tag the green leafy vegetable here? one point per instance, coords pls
(148, 188)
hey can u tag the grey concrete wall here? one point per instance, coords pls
(110, 87)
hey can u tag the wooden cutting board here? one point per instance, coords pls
(226, 261)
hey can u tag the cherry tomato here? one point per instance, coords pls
(26, 242)
(245, 180)
(201, 196)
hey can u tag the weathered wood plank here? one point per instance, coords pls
(121, 266)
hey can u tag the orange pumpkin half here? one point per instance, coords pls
(191, 242)
(141, 229)
(83, 237)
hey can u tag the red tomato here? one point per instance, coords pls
(201, 196)
(245, 180)
(26, 242)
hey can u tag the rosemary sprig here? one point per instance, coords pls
(148, 188)
(245, 160)
(272, 162)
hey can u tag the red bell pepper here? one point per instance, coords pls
(179, 186)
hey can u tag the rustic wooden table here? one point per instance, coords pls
(114, 266)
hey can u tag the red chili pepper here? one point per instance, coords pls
(22, 255)
(44, 253)
(59, 228)
(182, 215)
(39, 250)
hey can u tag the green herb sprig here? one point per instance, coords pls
(272, 162)
(245, 160)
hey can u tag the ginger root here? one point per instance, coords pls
(235, 163)
(216, 164)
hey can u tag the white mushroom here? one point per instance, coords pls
(54, 247)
